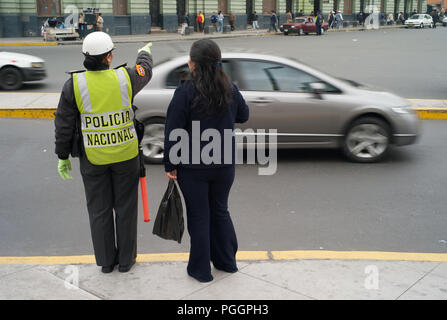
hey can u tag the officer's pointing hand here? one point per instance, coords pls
(146, 48)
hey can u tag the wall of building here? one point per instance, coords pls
(19, 18)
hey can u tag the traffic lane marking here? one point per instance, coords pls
(244, 256)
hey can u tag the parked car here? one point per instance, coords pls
(309, 108)
(444, 21)
(419, 21)
(16, 68)
(302, 25)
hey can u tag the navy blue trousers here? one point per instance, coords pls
(211, 230)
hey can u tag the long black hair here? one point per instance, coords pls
(213, 85)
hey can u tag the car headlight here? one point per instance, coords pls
(37, 65)
(401, 110)
(293, 27)
(281, 26)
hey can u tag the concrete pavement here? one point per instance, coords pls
(270, 278)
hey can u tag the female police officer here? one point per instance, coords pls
(212, 102)
(98, 102)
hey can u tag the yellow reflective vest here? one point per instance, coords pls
(104, 99)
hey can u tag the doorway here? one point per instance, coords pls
(154, 7)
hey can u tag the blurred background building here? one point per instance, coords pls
(19, 18)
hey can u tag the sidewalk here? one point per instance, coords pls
(157, 37)
(43, 105)
(264, 279)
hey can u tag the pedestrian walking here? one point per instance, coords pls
(95, 122)
(390, 19)
(232, 20)
(435, 17)
(214, 21)
(330, 19)
(339, 19)
(99, 22)
(220, 21)
(255, 21)
(185, 23)
(200, 20)
(210, 101)
(361, 18)
(319, 20)
(273, 21)
(289, 18)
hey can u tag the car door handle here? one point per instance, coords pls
(261, 100)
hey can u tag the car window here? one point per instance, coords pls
(181, 73)
(269, 76)
(300, 20)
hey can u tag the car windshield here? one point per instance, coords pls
(300, 20)
(415, 16)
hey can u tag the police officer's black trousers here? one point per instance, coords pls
(109, 188)
(212, 233)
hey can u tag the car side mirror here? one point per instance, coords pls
(317, 88)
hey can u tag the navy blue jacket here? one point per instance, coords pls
(181, 115)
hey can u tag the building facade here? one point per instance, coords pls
(21, 18)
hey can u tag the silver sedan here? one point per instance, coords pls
(308, 108)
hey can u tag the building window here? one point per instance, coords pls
(268, 6)
(222, 6)
(48, 8)
(120, 7)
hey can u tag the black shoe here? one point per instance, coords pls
(201, 279)
(126, 268)
(226, 269)
(108, 269)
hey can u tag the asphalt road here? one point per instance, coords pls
(316, 200)
(409, 62)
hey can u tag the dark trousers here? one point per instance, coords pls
(212, 233)
(110, 188)
(318, 26)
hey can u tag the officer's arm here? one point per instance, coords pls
(65, 121)
(141, 73)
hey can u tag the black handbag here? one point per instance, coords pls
(169, 223)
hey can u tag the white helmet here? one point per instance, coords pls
(97, 43)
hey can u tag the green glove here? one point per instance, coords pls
(146, 48)
(63, 166)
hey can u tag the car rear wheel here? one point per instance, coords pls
(10, 78)
(153, 140)
(367, 140)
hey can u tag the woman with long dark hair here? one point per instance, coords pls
(207, 101)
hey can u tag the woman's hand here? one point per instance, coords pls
(172, 174)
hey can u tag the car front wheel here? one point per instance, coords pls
(153, 140)
(367, 140)
(10, 78)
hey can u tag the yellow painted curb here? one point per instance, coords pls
(26, 44)
(243, 255)
(432, 113)
(359, 255)
(39, 113)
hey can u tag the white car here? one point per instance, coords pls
(444, 22)
(419, 21)
(16, 68)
